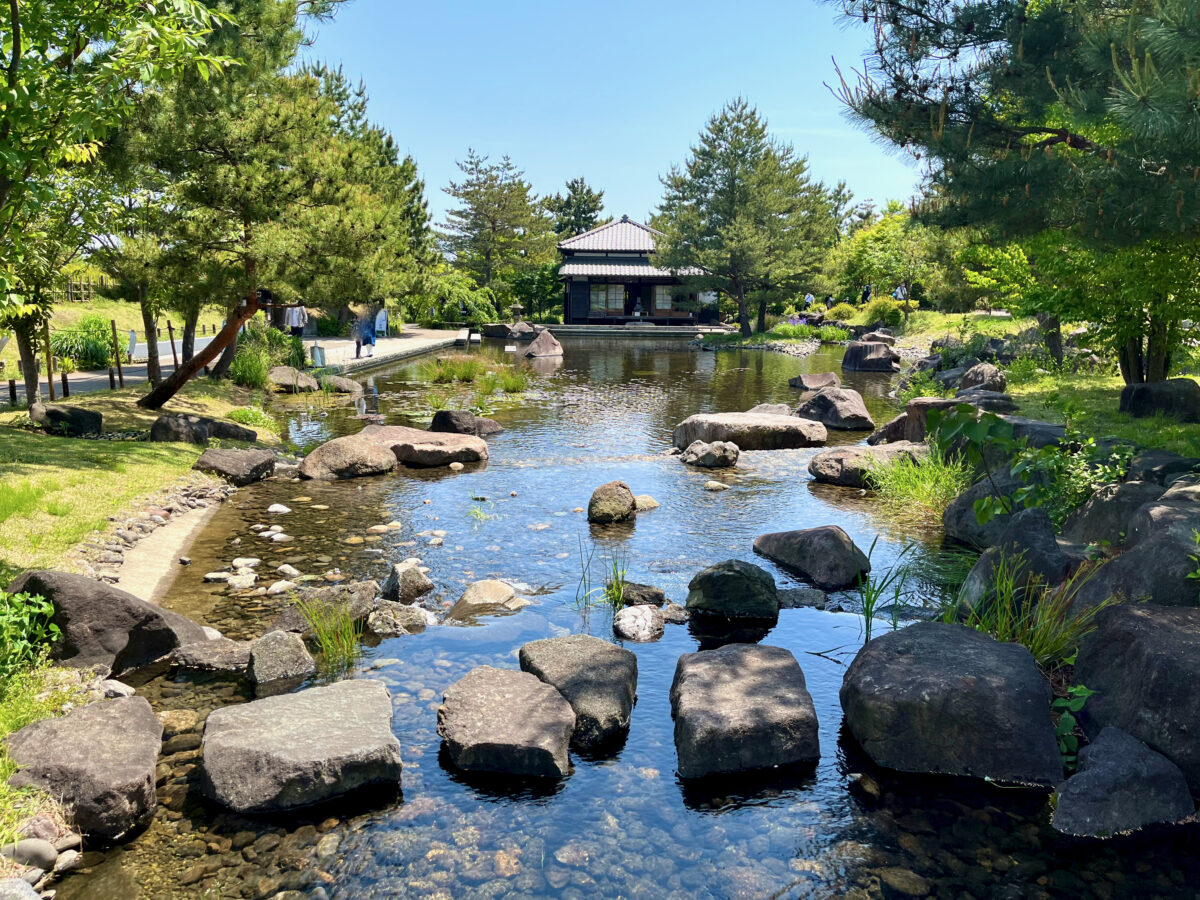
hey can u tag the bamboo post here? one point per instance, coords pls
(112, 379)
(117, 352)
(66, 388)
(12, 391)
(49, 358)
(171, 332)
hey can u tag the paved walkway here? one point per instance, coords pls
(339, 355)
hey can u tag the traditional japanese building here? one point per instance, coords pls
(609, 278)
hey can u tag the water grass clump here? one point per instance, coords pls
(928, 484)
(254, 417)
(336, 633)
(449, 369)
(514, 381)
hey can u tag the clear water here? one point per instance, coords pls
(623, 825)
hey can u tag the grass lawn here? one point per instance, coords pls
(55, 491)
(1090, 403)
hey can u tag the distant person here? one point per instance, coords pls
(809, 300)
(866, 294)
(295, 318)
(829, 301)
(900, 294)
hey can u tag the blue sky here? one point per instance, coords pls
(616, 92)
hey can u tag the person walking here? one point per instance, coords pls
(809, 299)
(368, 335)
(866, 294)
(295, 318)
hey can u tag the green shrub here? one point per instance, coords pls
(973, 347)
(828, 333)
(922, 384)
(841, 312)
(1022, 370)
(885, 310)
(250, 367)
(26, 631)
(927, 484)
(329, 326)
(280, 348)
(88, 344)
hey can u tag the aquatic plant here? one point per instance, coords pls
(873, 588)
(614, 585)
(514, 381)
(437, 400)
(335, 631)
(479, 513)
(1019, 610)
(487, 384)
(254, 417)
(449, 369)
(928, 484)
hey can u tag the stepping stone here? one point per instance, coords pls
(507, 722)
(598, 679)
(739, 708)
(294, 750)
(279, 656)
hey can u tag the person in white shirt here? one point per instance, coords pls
(295, 318)
(809, 299)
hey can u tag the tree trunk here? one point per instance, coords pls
(190, 320)
(743, 312)
(1129, 358)
(762, 315)
(1052, 336)
(1158, 352)
(25, 332)
(150, 324)
(221, 369)
(225, 338)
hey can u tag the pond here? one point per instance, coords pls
(622, 825)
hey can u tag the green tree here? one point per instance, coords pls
(743, 215)
(71, 73)
(1078, 118)
(498, 226)
(576, 211)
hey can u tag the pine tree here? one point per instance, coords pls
(576, 211)
(1079, 116)
(744, 211)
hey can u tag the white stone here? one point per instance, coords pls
(246, 562)
(288, 571)
(278, 509)
(282, 587)
(217, 576)
(638, 623)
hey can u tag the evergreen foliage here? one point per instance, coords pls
(576, 211)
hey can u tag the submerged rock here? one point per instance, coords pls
(611, 502)
(506, 722)
(295, 750)
(98, 760)
(750, 431)
(735, 590)
(815, 381)
(486, 598)
(291, 380)
(717, 455)
(1121, 786)
(352, 456)
(638, 623)
(598, 679)
(219, 655)
(103, 625)
(427, 449)
(946, 699)
(739, 708)
(837, 407)
(825, 556)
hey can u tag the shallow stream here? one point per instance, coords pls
(624, 825)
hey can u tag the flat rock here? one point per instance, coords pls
(240, 467)
(352, 456)
(611, 502)
(98, 760)
(598, 679)
(734, 589)
(814, 381)
(1121, 786)
(486, 598)
(852, 466)
(639, 624)
(427, 449)
(220, 655)
(837, 407)
(103, 625)
(750, 431)
(506, 722)
(279, 656)
(739, 708)
(295, 750)
(291, 380)
(356, 597)
(717, 455)
(825, 556)
(946, 699)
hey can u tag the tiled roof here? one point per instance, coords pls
(622, 234)
(619, 268)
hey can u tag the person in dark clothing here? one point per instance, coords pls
(866, 294)
(829, 301)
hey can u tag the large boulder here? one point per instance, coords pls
(339, 384)
(486, 598)
(545, 344)
(291, 380)
(1104, 518)
(280, 656)
(740, 708)
(735, 590)
(104, 625)
(352, 456)
(172, 429)
(1160, 466)
(1158, 569)
(890, 431)
(356, 598)
(750, 431)
(1175, 512)
(960, 522)
(825, 556)
(295, 750)
(453, 421)
(506, 722)
(839, 408)
(985, 376)
(815, 381)
(1143, 662)
(611, 502)
(240, 467)
(406, 583)
(717, 455)
(598, 679)
(98, 760)
(1030, 555)
(852, 466)
(1121, 786)
(946, 699)
(427, 449)
(1176, 398)
(66, 420)
(870, 356)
